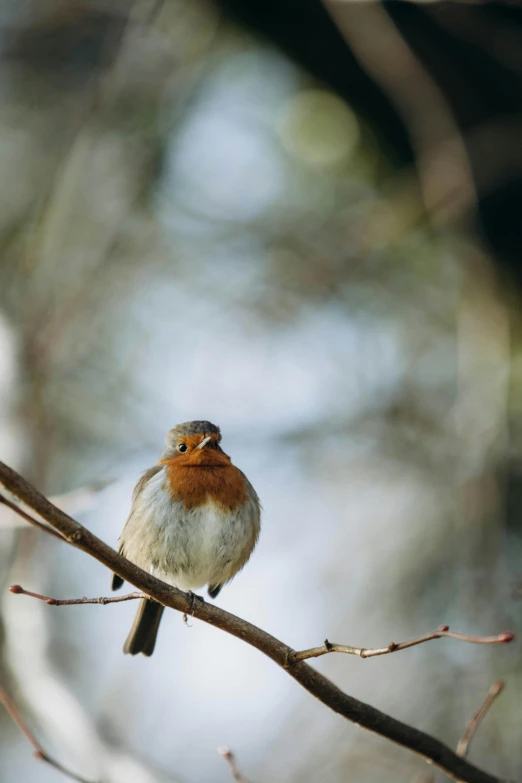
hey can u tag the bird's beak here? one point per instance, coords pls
(203, 442)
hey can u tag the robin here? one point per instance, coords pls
(195, 520)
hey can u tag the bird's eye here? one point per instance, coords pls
(182, 447)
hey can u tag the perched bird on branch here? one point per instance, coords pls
(195, 520)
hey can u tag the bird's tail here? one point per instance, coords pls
(142, 635)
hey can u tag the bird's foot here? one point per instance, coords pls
(193, 601)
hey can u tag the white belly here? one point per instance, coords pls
(188, 548)
(201, 545)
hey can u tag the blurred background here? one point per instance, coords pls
(301, 221)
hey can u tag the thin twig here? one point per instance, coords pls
(364, 715)
(371, 652)
(39, 752)
(19, 590)
(30, 519)
(229, 758)
(476, 720)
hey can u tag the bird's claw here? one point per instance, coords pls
(193, 601)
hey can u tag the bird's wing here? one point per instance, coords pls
(150, 473)
(117, 581)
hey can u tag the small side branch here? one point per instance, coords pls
(19, 590)
(476, 720)
(30, 519)
(370, 652)
(39, 752)
(473, 724)
(231, 761)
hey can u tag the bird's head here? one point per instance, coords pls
(194, 443)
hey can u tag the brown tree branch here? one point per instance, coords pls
(19, 590)
(39, 752)
(364, 715)
(231, 761)
(476, 720)
(371, 652)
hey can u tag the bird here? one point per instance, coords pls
(195, 520)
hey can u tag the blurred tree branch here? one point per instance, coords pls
(457, 45)
(229, 757)
(364, 715)
(39, 752)
(440, 152)
(471, 728)
(476, 720)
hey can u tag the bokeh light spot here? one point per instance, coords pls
(319, 128)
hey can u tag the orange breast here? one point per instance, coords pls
(195, 485)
